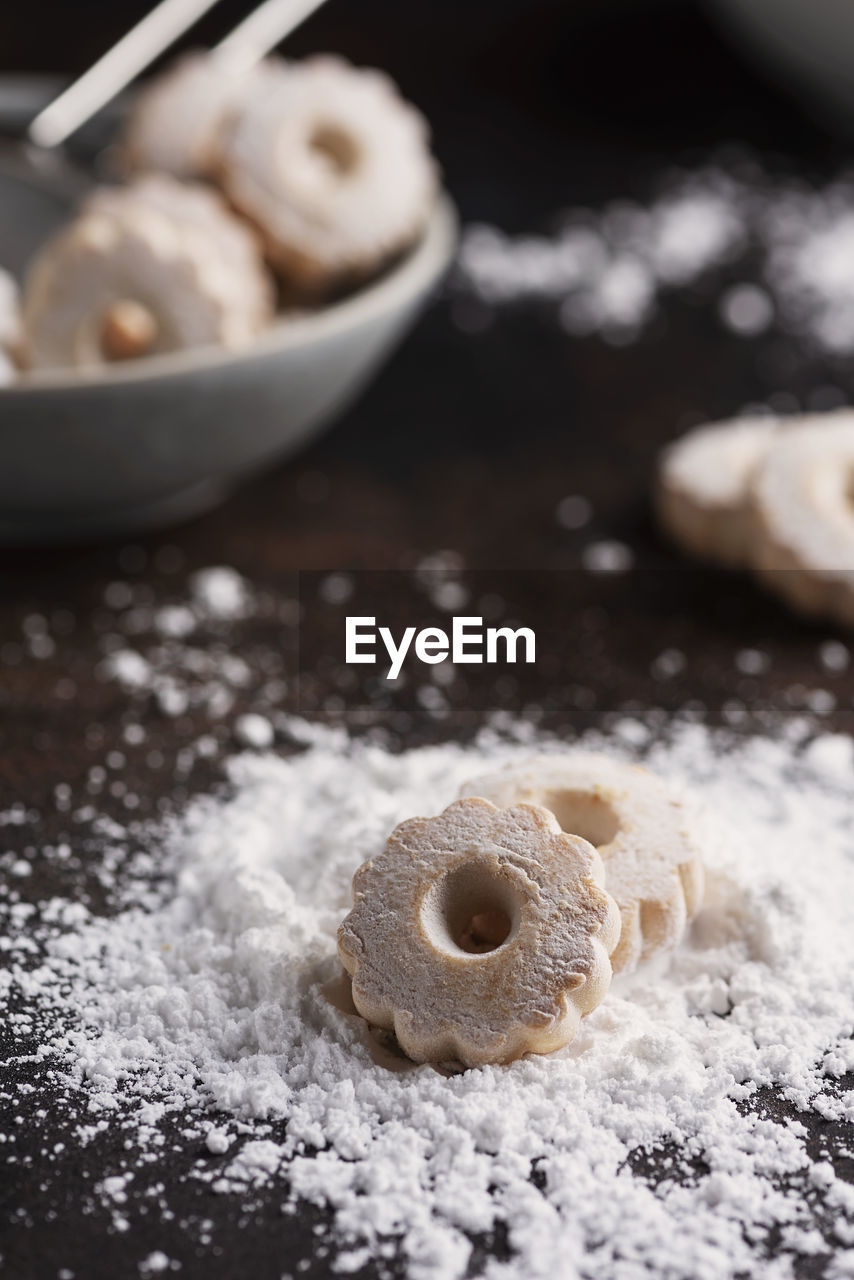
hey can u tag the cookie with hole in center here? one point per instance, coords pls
(802, 502)
(153, 267)
(702, 496)
(480, 935)
(332, 167)
(643, 833)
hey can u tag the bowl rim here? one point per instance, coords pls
(415, 271)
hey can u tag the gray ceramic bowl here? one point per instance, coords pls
(151, 443)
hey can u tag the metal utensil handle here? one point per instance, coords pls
(258, 34)
(115, 70)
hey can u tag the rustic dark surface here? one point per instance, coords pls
(466, 442)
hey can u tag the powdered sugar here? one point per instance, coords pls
(810, 239)
(608, 269)
(644, 1144)
(177, 654)
(220, 592)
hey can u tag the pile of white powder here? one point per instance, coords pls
(218, 1001)
(784, 255)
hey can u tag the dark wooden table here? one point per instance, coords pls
(466, 442)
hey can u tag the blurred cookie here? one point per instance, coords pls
(332, 167)
(153, 267)
(802, 497)
(702, 495)
(176, 118)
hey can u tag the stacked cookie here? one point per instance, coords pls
(155, 266)
(296, 179)
(773, 496)
(489, 931)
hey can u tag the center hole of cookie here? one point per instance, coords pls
(471, 910)
(485, 931)
(582, 814)
(336, 146)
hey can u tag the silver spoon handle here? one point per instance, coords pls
(258, 34)
(115, 70)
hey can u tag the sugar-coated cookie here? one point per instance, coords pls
(480, 935)
(152, 267)
(332, 167)
(652, 861)
(176, 118)
(802, 497)
(702, 496)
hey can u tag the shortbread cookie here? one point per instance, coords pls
(176, 118)
(10, 327)
(803, 504)
(702, 495)
(480, 935)
(332, 167)
(153, 267)
(193, 204)
(652, 862)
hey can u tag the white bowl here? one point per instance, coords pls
(146, 444)
(810, 41)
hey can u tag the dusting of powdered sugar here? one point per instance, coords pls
(607, 269)
(645, 1147)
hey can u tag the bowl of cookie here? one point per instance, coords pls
(271, 239)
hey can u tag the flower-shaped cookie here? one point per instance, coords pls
(804, 517)
(480, 935)
(703, 493)
(643, 833)
(332, 167)
(152, 267)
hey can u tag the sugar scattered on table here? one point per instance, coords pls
(574, 511)
(204, 1009)
(220, 592)
(752, 662)
(118, 595)
(834, 656)
(128, 667)
(254, 730)
(336, 588)
(607, 556)
(668, 664)
(832, 754)
(438, 576)
(747, 310)
(607, 270)
(821, 702)
(175, 620)
(156, 1263)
